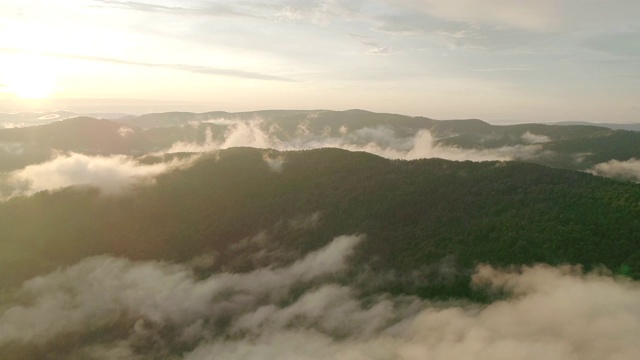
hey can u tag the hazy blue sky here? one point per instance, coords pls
(499, 60)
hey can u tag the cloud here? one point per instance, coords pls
(629, 169)
(12, 148)
(125, 131)
(111, 174)
(208, 8)
(555, 313)
(512, 68)
(621, 43)
(97, 291)
(379, 51)
(148, 7)
(306, 222)
(250, 133)
(161, 310)
(274, 163)
(198, 69)
(530, 15)
(49, 117)
(11, 125)
(547, 28)
(237, 134)
(381, 140)
(208, 145)
(532, 138)
(322, 12)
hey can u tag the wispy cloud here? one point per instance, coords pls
(12, 148)
(203, 8)
(190, 68)
(510, 68)
(145, 6)
(275, 164)
(321, 12)
(198, 69)
(376, 49)
(530, 15)
(625, 44)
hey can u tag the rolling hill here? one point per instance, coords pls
(394, 136)
(414, 213)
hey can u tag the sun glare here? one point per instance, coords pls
(29, 89)
(29, 79)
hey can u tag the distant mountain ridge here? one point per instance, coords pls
(26, 119)
(577, 147)
(630, 127)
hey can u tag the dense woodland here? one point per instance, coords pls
(419, 217)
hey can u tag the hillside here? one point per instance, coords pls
(414, 214)
(20, 147)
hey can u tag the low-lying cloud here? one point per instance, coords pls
(532, 138)
(11, 148)
(275, 163)
(380, 140)
(628, 170)
(99, 291)
(125, 131)
(111, 174)
(117, 307)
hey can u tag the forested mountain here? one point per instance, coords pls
(82, 134)
(20, 147)
(25, 119)
(414, 214)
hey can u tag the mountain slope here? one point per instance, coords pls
(414, 213)
(20, 147)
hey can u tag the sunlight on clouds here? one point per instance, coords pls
(110, 174)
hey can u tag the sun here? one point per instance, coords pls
(30, 84)
(29, 90)
(29, 77)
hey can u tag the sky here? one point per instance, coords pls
(502, 61)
